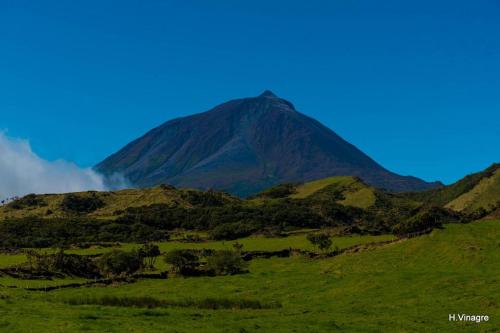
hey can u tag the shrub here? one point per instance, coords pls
(230, 231)
(74, 203)
(29, 200)
(225, 262)
(320, 240)
(149, 252)
(278, 191)
(119, 263)
(183, 262)
(60, 262)
(209, 198)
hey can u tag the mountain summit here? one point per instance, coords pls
(245, 145)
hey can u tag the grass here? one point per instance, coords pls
(408, 286)
(354, 191)
(309, 188)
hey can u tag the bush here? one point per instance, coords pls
(231, 231)
(183, 262)
(149, 252)
(226, 262)
(278, 191)
(119, 263)
(29, 200)
(60, 262)
(205, 199)
(74, 203)
(320, 240)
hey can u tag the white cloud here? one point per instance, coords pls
(23, 172)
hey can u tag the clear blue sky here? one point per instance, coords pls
(414, 84)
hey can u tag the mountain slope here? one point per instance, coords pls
(485, 194)
(244, 146)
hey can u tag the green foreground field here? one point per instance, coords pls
(407, 286)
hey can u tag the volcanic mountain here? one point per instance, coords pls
(245, 145)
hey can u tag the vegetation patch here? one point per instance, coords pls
(278, 191)
(28, 201)
(81, 204)
(151, 302)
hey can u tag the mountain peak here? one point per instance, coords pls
(244, 146)
(268, 93)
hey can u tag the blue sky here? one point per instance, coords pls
(414, 84)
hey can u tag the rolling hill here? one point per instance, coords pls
(244, 146)
(111, 203)
(474, 191)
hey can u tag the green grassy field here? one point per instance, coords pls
(408, 286)
(253, 243)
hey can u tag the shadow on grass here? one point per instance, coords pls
(151, 302)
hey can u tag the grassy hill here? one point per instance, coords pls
(484, 194)
(345, 190)
(351, 191)
(111, 203)
(478, 190)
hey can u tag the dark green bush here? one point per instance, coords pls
(231, 231)
(29, 200)
(149, 252)
(119, 263)
(320, 240)
(82, 204)
(183, 262)
(278, 191)
(226, 262)
(60, 262)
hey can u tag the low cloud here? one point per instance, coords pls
(23, 172)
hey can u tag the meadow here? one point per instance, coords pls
(406, 286)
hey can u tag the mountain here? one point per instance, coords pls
(245, 145)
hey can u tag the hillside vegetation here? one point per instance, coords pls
(351, 191)
(478, 190)
(344, 203)
(109, 204)
(484, 194)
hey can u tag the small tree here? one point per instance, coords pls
(119, 263)
(150, 252)
(238, 247)
(226, 262)
(321, 241)
(183, 262)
